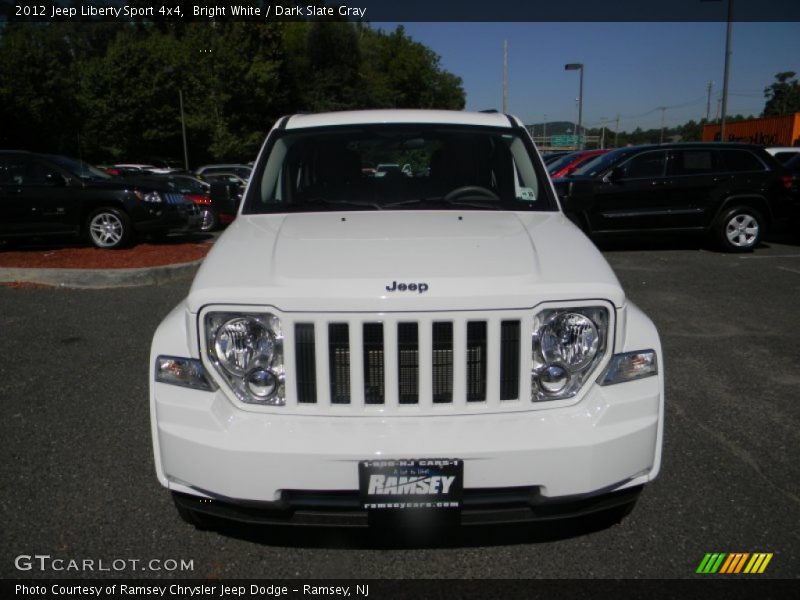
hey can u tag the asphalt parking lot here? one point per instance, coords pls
(79, 482)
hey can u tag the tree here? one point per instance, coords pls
(109, 91)
(783, 96)
(37, 109)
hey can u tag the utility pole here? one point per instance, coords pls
(728, 34)
(578, 126)
(603, 121)
(616, 133)
(663, 110)
(505, 76)
(544, 131)
(708, 102)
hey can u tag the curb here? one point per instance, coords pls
(101, 278)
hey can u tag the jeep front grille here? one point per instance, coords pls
(393, 363)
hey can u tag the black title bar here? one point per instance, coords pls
(403, 10)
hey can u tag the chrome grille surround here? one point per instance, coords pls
(340, 379)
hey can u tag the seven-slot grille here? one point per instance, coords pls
(399, 363)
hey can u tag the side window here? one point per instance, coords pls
(741, 160)
(694, 162)
(647, 164)
(41, 174)
(13, 170)
(783, 157)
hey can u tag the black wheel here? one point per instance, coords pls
(210, 220)
(739, 229)
(109, 228)
(192, 517)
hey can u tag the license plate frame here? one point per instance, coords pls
(412, 483)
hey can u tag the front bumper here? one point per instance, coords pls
(167, 217)
(207, 447)
(342, 509)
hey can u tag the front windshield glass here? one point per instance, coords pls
(393, 167)
(187, 185)
(561, 162)
(599, 164)
(81, 169)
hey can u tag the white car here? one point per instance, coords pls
(448, 343)
(783, 153)
(242, 171)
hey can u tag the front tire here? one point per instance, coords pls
(740, 229)
(109, 228)
(210, 221)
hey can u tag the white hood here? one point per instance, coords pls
(345, 261)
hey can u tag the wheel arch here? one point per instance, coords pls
(755, 201)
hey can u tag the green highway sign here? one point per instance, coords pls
(565, 140)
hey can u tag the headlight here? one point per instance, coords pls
(247, 350)
(152, 197)
(567, 345)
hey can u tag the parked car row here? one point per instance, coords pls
(733, 192)
(44, 194)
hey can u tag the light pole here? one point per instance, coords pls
(183, 130)
(578, 67)
(168, 71)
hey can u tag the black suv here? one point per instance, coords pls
(732, 191)
(43, 194)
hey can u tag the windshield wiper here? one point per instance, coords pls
(328, 202)
(488, 204)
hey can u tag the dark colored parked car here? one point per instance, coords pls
(792, 167)
(44, 194)
(212, 198)
(731, 191)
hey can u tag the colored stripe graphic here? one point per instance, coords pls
(734, 563)
(711, 562)
(758, 563)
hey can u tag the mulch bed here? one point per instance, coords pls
(68, 255)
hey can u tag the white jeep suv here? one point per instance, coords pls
(448, 342)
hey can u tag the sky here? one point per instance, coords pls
(630, 69)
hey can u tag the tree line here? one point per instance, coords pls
(110, 92)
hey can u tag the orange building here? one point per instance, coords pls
(766, 131)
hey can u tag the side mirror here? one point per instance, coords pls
(578, 196)
(616, 174)
(56, 179)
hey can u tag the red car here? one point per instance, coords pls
(565, 165)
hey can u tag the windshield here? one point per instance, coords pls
(187, 185)
(561, 162)
(397, 167)
(600, 164)
(78, 167)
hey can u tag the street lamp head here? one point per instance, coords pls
(573, 66)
